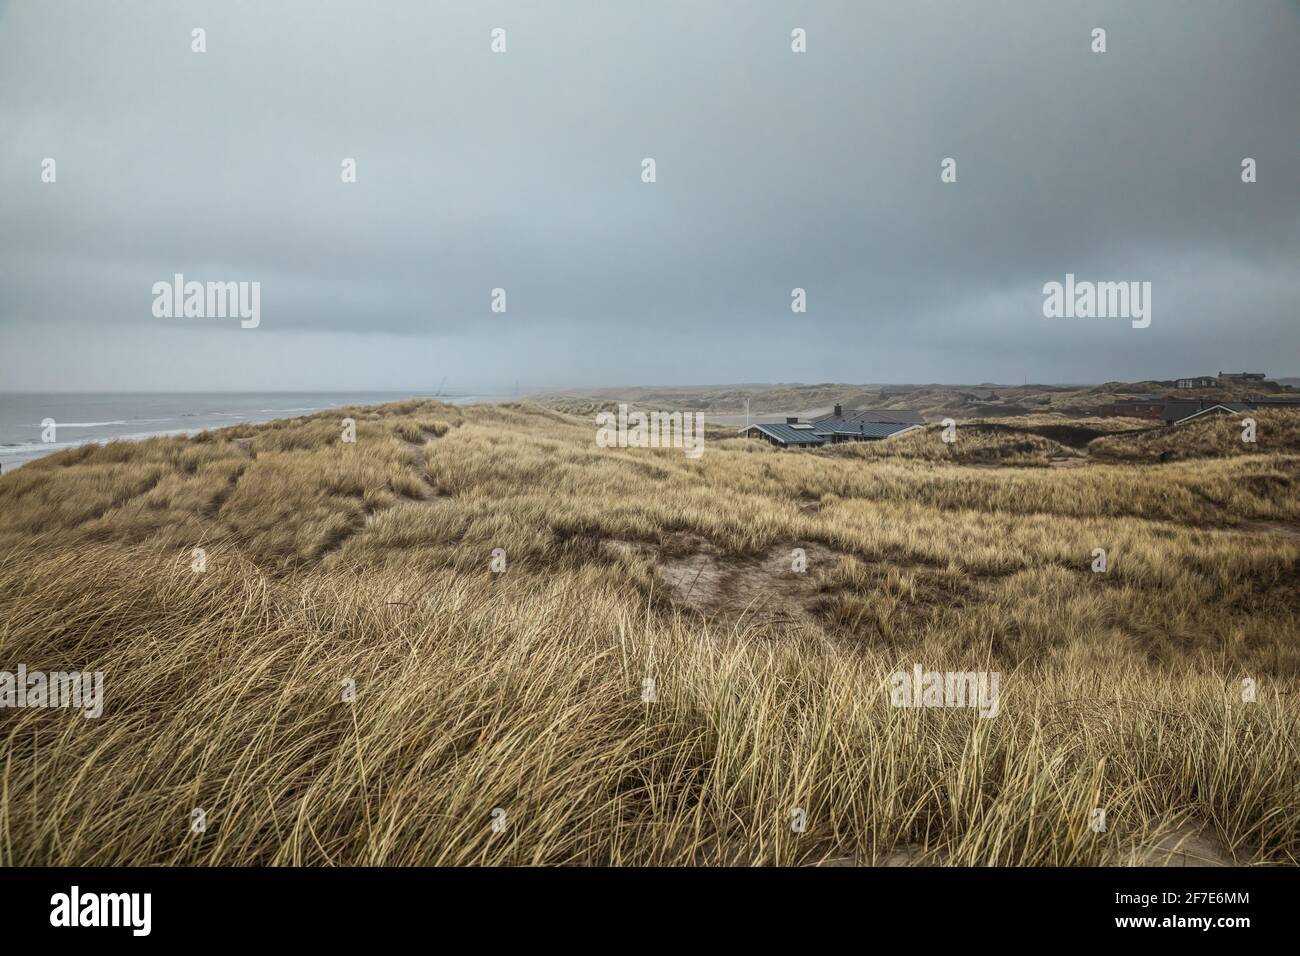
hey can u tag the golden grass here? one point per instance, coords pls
(522, 691)
(1211, 436)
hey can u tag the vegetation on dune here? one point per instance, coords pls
(1211, 436)
(763, 399)
(962, 402)
(976, 443)
(329, 561)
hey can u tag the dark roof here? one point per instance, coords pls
(1179, 412)
(1184, 407)
(902, 416)
(845, 426)
(788, 434)
(821, 432)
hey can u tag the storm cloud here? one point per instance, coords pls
(522, 170)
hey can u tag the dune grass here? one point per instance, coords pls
(331, 565)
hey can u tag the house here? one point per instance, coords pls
(1243, 376)
(1203, 381)
(837, 432)
(833, 429)
(1178, 412)
(790, 434)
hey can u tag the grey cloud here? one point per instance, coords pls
(522, 171)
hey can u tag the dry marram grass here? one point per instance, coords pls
(329, 561)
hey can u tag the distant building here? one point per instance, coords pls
(1203, 381)
(1178, 412)
(1243, 376)
(836, 429)
(790, 434)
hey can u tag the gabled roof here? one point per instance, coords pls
(1181, 408)
(787, 434)
(1219, 408)
(844, 426)
(1176, 410)
(822, 431)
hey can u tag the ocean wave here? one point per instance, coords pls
(49, 447)
(60, 424)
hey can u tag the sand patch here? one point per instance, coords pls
(1067, 462)
(766, 587)
(908, 854)
(1186, 846)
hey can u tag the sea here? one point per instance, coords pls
(81, 417)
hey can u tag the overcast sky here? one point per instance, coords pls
(522, 170)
